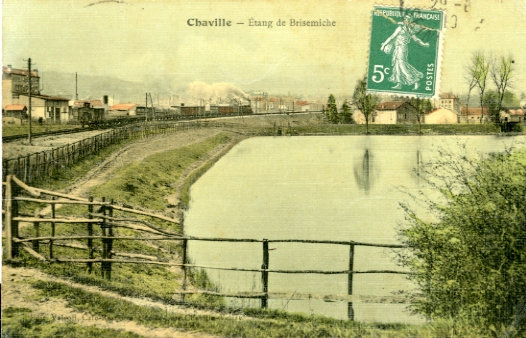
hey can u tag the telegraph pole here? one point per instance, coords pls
(29, 104)
(146, 107)
(76, 87)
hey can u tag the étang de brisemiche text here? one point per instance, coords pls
(221, 22)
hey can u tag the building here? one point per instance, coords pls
(448, 101)
(14, 114)
(302, 106)
(16, 82)
(123, 109)
(513, 115)
(52, 109)
(474, 115)
(441, 116)
(386, 112)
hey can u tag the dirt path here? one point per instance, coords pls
(16, 292)
(136, 152)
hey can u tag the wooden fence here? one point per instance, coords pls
(17, 192)
(33, 167)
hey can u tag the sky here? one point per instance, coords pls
(139, 40)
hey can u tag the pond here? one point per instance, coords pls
(338, 188)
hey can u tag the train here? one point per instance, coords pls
(93, 117)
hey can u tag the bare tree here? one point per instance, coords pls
(478, 70)
(472, 82)
(421, 107)
(501, 74)
(363, 101)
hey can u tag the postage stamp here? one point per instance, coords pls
(404, 55)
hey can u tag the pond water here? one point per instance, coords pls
(320, 188)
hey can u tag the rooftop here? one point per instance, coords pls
(123, 106)
(23, 72)
(15, 107)
(389, 105)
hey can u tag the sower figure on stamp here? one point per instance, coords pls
(403, 73)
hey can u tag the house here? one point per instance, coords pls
(513, 115)
(16, 82)
(386, 112)
(302, 106)
(474, 115)
(407, 114)
(441, 116)
(448, 101)
(17, 111)
(52, 109)
(123, 109)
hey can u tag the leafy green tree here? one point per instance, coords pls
(332, 110)
(470, 260)
(363, 101)
(345, 113)
(492, 100)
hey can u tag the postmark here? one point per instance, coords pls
(404, 52)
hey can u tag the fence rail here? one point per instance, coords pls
(32, 167)
(105, 219)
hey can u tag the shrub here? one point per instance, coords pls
(470, 261)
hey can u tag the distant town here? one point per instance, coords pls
(52, 108)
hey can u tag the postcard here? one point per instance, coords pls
(262, 168)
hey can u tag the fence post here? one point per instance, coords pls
(53, 214)
(185, 246)
(264, 274)
(350, 310)
(110, 241)
(28, 169)
(90, 233)
(17, 172)
(36, 227)
(5, 169)
(8, 216)
(104, 265)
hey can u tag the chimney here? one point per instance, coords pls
(182, 104)
(105, 99)
(9, 68)
(35, 71)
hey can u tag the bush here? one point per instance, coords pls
(470, 262)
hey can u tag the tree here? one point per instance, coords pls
(469, 261)
(363, 101)
(332, 111)
(497, 102)
(345, 113)
(478, 70)
(501, 74)
(421, 107)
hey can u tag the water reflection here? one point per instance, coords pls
(363, 172)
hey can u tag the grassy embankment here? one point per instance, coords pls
(316, 124)
(143, 184)
(13, 129)
(21, 322)
(253, 323)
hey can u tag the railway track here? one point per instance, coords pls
(7, 139)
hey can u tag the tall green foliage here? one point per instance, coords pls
(471, 260)
(345, 113)
(332, 111)
(363, 101)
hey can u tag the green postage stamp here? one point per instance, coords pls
(405, 50)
